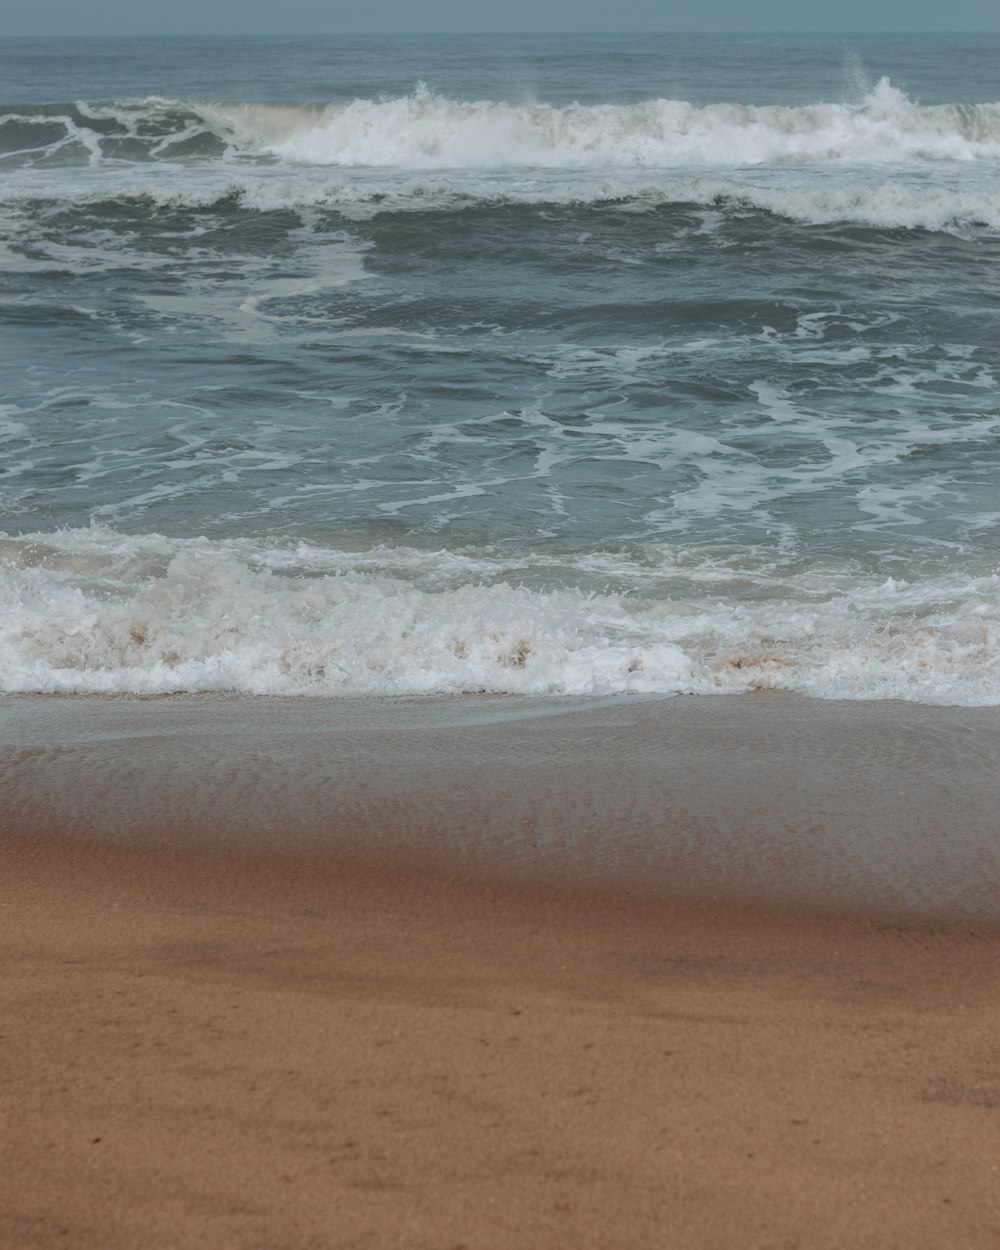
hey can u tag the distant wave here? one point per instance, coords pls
(428, 131)
(91, 610)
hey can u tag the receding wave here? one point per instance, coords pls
(428, 131)
(92, 610)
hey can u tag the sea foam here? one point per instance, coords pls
(431, 131)
(425, 130)
(95, 611)
(882, 203)
(898, 164)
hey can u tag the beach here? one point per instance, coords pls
(494, 972)
(499, 640)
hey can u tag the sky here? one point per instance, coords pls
(202, 17)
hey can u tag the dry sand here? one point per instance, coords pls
(331, 1035)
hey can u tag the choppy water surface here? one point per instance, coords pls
(499, 364)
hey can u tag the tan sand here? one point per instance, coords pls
(310, 1042)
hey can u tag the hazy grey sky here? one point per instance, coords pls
(170, 17)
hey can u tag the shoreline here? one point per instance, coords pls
(766, 800)
(241, 1012)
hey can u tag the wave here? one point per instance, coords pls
(425, 130)
(428, 131)
(888, 205)
(91, 610)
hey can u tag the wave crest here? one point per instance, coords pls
(424, 130)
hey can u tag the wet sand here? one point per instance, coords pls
(488, 974)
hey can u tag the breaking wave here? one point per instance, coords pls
(92, 610)
(428, 131)
(900, 165)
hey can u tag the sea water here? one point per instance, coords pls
(538, 365)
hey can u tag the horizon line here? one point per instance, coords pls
(522, 34)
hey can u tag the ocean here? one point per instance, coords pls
(536, 365)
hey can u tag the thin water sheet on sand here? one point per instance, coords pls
(872, 807)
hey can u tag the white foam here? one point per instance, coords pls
(93, 610)
(885, 161)
(871, 198)
(424, 130)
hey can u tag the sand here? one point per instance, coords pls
(296, 976)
